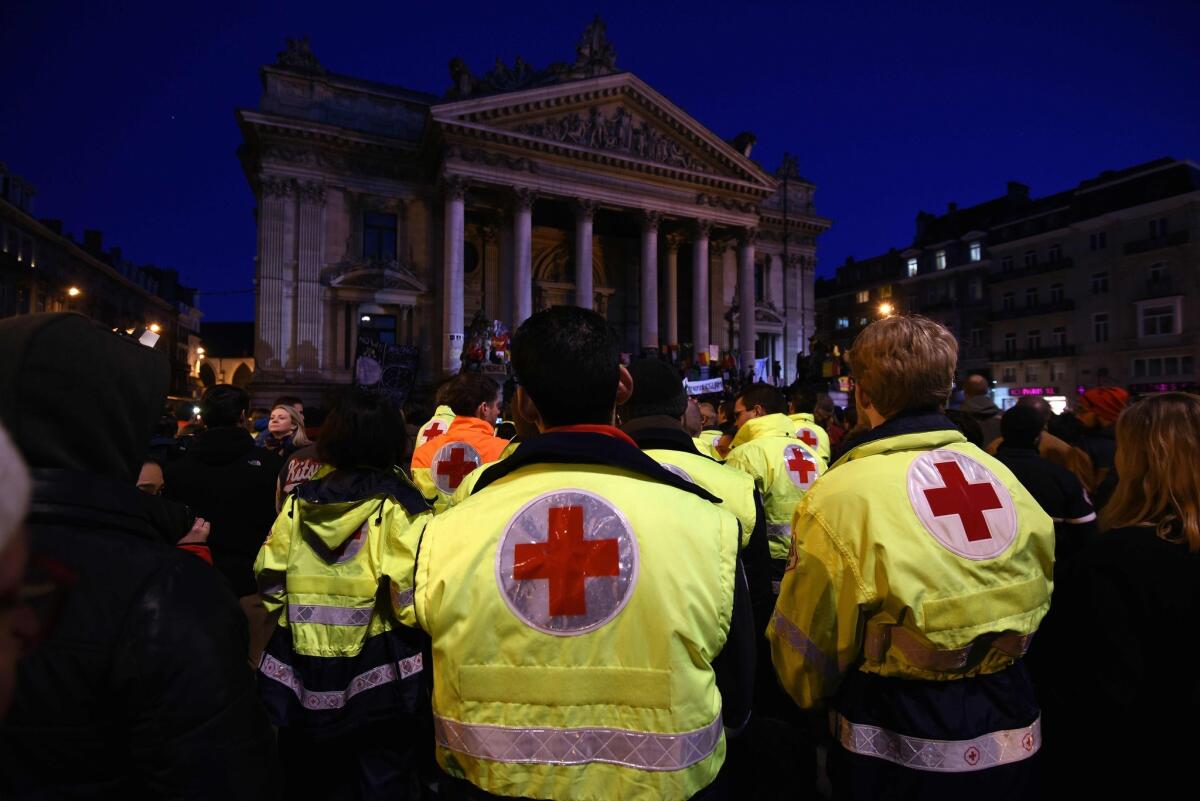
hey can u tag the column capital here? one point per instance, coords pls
(674, 240)
(651, 219)
(274, 186)
(748, 237)
(585, 209)
(702, 229)
(488, 232)
(455, 186)
(310, 192)
(524, 197)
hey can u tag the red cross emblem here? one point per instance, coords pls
(971, 756)
(962, 504)
(434, 429)
(808, 437)
(451, 464)
(801, 469)
(567, 562)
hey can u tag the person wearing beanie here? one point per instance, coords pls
(1057, 490)
(16, 623)
(141, 689)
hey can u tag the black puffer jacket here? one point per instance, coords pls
(141, 689)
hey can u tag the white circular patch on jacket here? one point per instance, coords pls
(801, 466)
(808, 436)
(677, 470)
(567, 562)
(451, 464)
(432, 429)
(962, 504)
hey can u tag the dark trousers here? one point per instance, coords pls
(375, 761)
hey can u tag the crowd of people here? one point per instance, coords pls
(585, 584)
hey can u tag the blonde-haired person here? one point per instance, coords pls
(285, 431)
(920, 568)
(1121, 648)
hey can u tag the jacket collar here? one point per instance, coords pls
(771, 425)
(347, 486)
(463, 424)
(657, 433)
(585, 447)
(891, 435)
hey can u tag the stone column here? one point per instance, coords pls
(522, 256)
(584, 292)
(649, 283)
(700, 339)
(746, 329)
(275, 199)
(310, 342)
(671, 335)
(452, 274)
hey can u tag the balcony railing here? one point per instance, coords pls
(1028, 354)
(1030, 311)
(1155, 242)
(1037, 269)
(1161, 287)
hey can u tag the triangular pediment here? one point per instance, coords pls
(618, 116)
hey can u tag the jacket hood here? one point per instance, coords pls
(770, 425)
(333, 508)
(75, 396)
(980, 406)
(918, 431)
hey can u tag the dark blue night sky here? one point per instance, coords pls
(124, 119)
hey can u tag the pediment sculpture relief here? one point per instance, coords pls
(619, 131)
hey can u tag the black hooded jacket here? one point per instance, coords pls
(141, 687)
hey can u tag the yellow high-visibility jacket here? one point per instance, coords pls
(812, 435)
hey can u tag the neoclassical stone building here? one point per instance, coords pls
(401, 214)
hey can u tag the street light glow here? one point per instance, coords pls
(886, 309)
(366, 318)
(155, 327)
(73, 291)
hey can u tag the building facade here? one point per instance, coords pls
(43, 269)
(401, 215)
(1099, 284)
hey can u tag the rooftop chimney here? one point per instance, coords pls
(1018, 190)
(93, 240)
(951, 207)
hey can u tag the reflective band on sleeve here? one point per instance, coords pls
(401, 599)
(633, 749)
(1075, 521)
(781, 532)
(791, 634)
(330, 615)
(939, 756)
(336, 699)
(880, 639)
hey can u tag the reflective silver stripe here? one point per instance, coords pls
(633, 749)
(1075, 520)
(401, 599)
(791, 634)
(780, 531)
(330, 615)
(939, 756)
(336, 699)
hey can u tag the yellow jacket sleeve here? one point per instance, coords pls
(398, 555)
(753, 463)
(270, 566)
(816, 631)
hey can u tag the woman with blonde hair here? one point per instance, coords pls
(1122, 648)
(285, 431)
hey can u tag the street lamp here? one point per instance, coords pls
(886, 309)
(73, 291)
(154, 327)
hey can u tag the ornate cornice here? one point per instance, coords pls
(477, 155)
(729, 204)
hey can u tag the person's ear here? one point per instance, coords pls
(624, 385)
(528, 409)
(861, 399)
